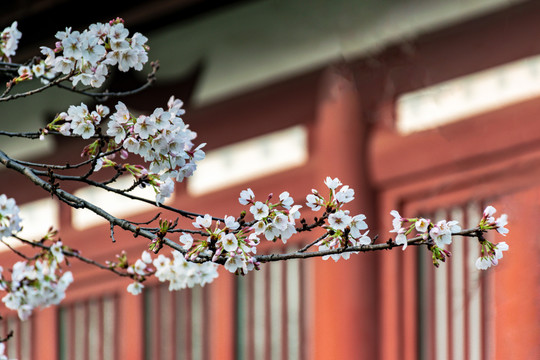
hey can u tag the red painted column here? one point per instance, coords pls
(131, 321)
(516, 287)
(222, 310)
(45, 333)
(345, 293)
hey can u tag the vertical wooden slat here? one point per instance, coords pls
(94, 330)
(467, 293)
(306, 306)
(84, 330)
(173, 310)
(243, 307)
(205, 322)
(165, 323)
(109, 327)
(188, 324)
(293, 283)
(389, 308)
(101, 329)
(261, 314)
(441, 308)
(284, 311)
(152, 326)
(409, 301)
(488, 316)
(458, 291)
(474, 285)
(275, 309)
(267, 316)
(14, 345)
(426, 308)
(400, 317)
(72, 331)
(180, 327)
(196, 322)
(250, 308)
(449, 266)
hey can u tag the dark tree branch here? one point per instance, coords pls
(37, 90)
(76, 255)
(80, 203)
(104, 96)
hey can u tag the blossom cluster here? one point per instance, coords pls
(38, 283)
(34, 283)
(9, 41)
(161, 139)
(274, 221)
(439, 234)
(235, 241)
(237, 245)
(10, 222)
(179, 272)
(491, 253)
(343, 230)
(87, 55)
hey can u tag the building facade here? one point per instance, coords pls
(439, 124)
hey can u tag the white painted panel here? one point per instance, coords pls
(114, 204)
(469, 95)
(250, 159)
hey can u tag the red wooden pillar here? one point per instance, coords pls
(515, 286)
(222, 311)
(131, 320)
(45, 333)
(345, 316)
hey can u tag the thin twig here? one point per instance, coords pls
(74, 254)
(112, 233)
(67, 166)
(7, 337)
(187, 214)
(103, 96)
(20, 254)
(305, 248)
(80, 203)
(37, 90)
(416, 241)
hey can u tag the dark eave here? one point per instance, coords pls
(39, 20)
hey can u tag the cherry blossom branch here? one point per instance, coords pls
(35, 91)
(20, 254)
(38, 134)
(84, 179)
(27, 135)
(8, 336)
(151, 232)
(63, 167)
(104, 96)
(187, 214)
(76, 255)
(475, 232)
(80, 203)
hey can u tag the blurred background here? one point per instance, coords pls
(428, 107)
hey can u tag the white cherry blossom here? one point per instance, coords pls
(246, 196)
(332, 184)
(339, 220)
(203, 222)
(259, 210)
